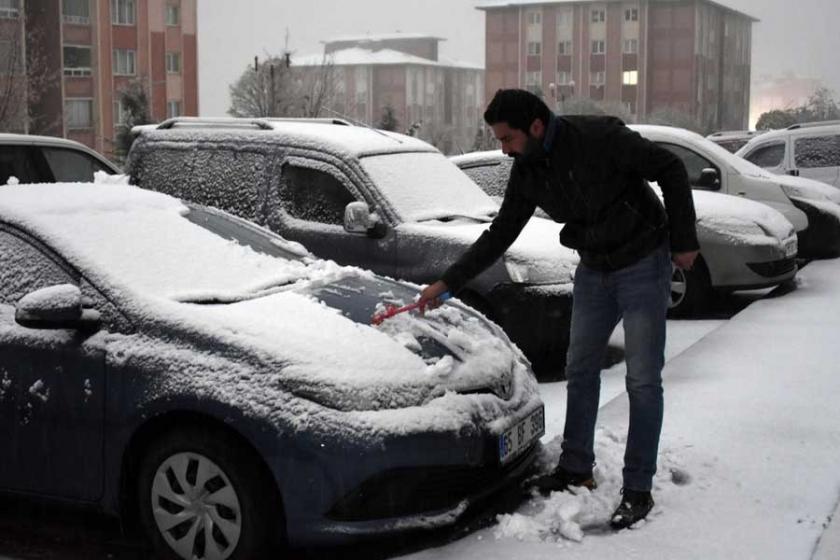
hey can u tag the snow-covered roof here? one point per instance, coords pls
(383, 37)
(494, 4)
(355, 141)
(360, 56)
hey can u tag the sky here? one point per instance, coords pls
(790, 38)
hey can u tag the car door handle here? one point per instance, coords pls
(793, 172)
(741, 193)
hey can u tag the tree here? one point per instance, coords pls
(275, 88)
(822, 106)
(777, 118)
(484, 139)
(388, 120)
(134, 99)
(25, 77)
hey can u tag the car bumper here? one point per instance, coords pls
(746, 267)
(337, 491)
(537, 319)
(822, 237)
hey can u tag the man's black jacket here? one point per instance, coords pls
(593, 179)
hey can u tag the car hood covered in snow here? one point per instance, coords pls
(296, 324)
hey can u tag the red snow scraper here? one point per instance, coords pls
(391, 310)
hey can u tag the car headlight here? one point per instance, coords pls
(518, 272)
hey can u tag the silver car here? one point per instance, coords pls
(743, 244)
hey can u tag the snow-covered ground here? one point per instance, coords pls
(750, 453)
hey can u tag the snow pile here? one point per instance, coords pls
(103, 178)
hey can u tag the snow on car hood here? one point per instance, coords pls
(295, 319)
(803, 187)
(537, 247)
(736, 217)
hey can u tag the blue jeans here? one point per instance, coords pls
(639, 294)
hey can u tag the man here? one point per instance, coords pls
(590, 173)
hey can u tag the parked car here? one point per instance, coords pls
(810, 150)
(177, 365)
(45, 159)
(743, 244)
(368, 198)
(712, 168)
(733, 140)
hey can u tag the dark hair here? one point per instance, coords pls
(518, 108)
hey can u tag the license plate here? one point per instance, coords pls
(519, 437)
(790, 247)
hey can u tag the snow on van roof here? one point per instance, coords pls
(358, 141)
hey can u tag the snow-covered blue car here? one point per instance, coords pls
(181, 367)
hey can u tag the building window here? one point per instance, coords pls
(599, 47)
(173, 63)
(77, 61)
(173, 109)
(533, 82)
(125, 62)
(10, 56)
(564, 48)
(534, 18)
(631, 14)
(534, 48)
(78, 113)
(598, 78)
(76, 11)
(599, 16)
(123, 12)
(564, 78)
(630, 78)
(120, 113)
(9, 9)
(173, 14)
(631, 46)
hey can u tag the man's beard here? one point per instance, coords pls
(534, 151)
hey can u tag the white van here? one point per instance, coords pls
(809, 150)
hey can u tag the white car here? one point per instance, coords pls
(712, 168)
(743, 244)
(809, 150)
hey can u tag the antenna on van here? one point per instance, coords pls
(360, 123)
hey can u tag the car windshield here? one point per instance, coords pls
(425, 186)
(124, 238)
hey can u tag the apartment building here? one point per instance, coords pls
(691, 56)
(438, 99)
(77, 56)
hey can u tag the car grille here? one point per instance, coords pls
(410, 491)
(773, 268)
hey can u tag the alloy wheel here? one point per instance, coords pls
(679, 287)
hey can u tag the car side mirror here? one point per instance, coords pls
(55, 307)
(359, 219)
(709, 179)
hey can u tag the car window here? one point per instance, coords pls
(24, 269)
(313, 195)
(71, 166)
(768, 155)
(15, 161)
(694, 162)
(818, 151)
(491, 177)
(228, 179)
(732, 145)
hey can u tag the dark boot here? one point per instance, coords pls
(560, 480)
(634, 507)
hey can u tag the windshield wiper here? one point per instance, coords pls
(227, 299)
(483, 218)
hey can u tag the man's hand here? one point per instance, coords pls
(684, 261)
(429, 295)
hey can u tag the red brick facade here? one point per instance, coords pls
(92, 54)
(692, 56)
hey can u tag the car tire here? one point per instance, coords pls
(200, 488)
(691, 290)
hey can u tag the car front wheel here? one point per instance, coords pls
(202, 495)
(691, 290)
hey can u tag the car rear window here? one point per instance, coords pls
(818, 151)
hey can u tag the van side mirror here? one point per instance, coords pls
(359, 219)
(55, 307)
(709, 179)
